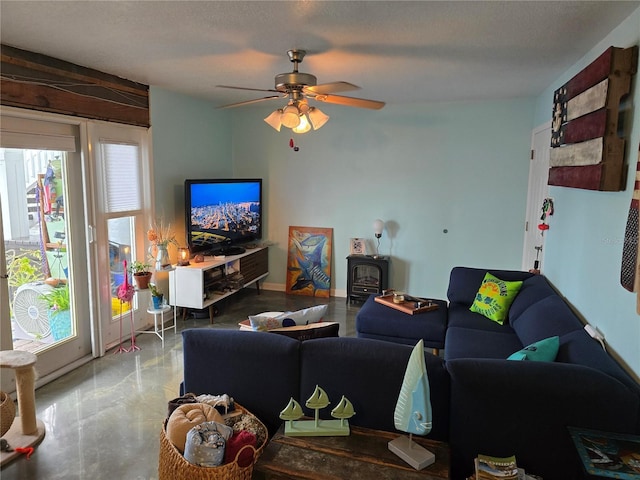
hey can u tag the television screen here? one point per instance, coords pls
(222, 213)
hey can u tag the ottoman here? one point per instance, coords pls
(380, 322)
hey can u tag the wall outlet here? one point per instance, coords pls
(595, 334)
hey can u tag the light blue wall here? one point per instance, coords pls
(583, 247)
(462, 167)
(191, 139)
(423, 169)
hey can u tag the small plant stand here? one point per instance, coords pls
(158, 326)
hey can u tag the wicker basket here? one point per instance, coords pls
(173, 466)
(7, 413)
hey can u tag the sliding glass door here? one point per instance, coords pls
(75, 197)
(44, 239)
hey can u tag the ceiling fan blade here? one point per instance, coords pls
(350, 101)
(247, 88)
(249, 102)
(333, 87)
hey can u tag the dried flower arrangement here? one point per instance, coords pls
(160, 234)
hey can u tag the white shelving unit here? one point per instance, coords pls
(194, 285)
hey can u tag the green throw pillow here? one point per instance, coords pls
(495, 297)
(542, 351)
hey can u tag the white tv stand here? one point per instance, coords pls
(192, 286)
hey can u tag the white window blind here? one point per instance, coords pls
(122, 165)
(38, 135)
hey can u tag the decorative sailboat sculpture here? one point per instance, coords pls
(343, 411)
(413, 412)
(293, 411)
(318, 400)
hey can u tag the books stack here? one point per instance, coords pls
(496, 468)
(500, 468)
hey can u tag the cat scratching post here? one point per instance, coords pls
(26, 430)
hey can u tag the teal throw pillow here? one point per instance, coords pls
(542, 351)
(494, 298)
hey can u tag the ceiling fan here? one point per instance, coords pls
(299, 87)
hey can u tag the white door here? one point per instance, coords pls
(44, 239)
(538, 191)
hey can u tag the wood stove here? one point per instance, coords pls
(366, 275)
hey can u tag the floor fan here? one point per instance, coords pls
(31, 311)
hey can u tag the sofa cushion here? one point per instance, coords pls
(542, 351)
(461, 316)
(288, 319)
(550, 316)
(579, 348)
(271, 361)
(494, 401)
(370, 373)
(533, 290)
(494, 297)
(471, 343)
(380, 322)
(464, 282)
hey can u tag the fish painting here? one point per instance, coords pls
(309, 261)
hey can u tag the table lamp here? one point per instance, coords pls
(378, 227)
(183, 256)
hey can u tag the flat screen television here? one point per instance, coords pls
(222, 214)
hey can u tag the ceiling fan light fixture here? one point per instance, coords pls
(303, 106)
(304, 126)
(274, 119)
(290, 117)
(318, 117)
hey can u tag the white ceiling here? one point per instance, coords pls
(397, 51)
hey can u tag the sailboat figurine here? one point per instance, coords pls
(343, 410)
(293, 411)
(413, 412)
(317, 401)
(294, 427)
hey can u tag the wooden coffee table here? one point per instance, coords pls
(363, 455)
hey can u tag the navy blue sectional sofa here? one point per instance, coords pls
(482, 403)
(504, 407)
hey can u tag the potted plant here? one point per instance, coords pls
(59, 304)
(141, 273)
(156, 296)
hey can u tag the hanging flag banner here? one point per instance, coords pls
(586, 151)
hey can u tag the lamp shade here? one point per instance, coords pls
(274, 119)
(303, 106)
(317, 117)
(290, 117)
(378, 227)
(304, 126)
